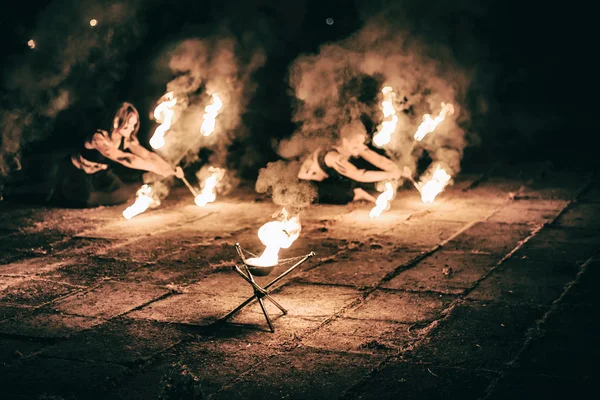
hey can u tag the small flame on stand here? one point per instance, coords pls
(429, 124)
(210, 114)
(388, 126)
(208, 194)
(163, 113)
(434, 186)
(142, 202)
(276, 235)
(383, 201)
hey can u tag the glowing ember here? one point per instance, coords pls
(143, 201)
(210, 114)
(388, 126)
(383, 201)
(208, 192)
(434, 186)
(276, 235)
(93, 22)
(429, 124)
(163, 113)
(31, 44)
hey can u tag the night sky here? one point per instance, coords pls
(529, 65)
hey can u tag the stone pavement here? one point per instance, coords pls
(487, 293)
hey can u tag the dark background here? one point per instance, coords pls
(532, 96)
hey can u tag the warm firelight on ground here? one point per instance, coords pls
(142, 202)
(435, 185)
(276, 235)
(390, 120)
(163, 114)
(429, 124)
(208, 194)
(210, 115)
(383, 200)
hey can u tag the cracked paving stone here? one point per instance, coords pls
(400, 307)
(419, 234)
(490, 237)
(302, 374)
(110, 299)
(91, 270)
(216, 363)
(520, 281)
(566, 345)
(529, 212)
(14, 350)
(478, 335)
(538, 249)
(585, 290)
(35, 376)
(35, 265)
(35, 293)
(151, 248)
(402, 380)
(362, 335)
(583, 216)
(120, 341)
(449, 272)
(43, 324)
(358, 269)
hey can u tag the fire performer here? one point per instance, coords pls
(85, 177)
(337, 179)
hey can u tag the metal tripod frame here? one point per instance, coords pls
(262, 292)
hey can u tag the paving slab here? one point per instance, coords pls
(46, 324)
(88, 271)
(36, 376)
(530, 212)
(478, 335)
(538, 249)
(420, 234)
(13, 350)
(31, 265)
(120, 341)
(584, 290)
(490, 237)
(555, 234)
(362, 336)
(445, 271)
(35, 292)
(110, 299)
(583, 216)
(358, 268)
(529, 386)
(402, 380)
(301, 374)
(525, 281)
(400, 307)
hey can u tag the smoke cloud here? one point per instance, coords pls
(280, 180)
(221, 65)
(340, 87)
(68, 62)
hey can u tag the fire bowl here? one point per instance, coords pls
(259, 270)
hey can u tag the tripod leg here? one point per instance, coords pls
(276, 304)
(238, 308)
(264, 310)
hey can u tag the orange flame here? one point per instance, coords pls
(163, 113)
(276, 235)
(429, 124)
(210, 114)
(31, 43)
(383, 201)
(208, 192)
(142, 202)
(434, 186)
(388, 126)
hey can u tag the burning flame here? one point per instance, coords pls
(163, 113)
(142, 202)
(383, 201)
(429, 124)
(210, 114)
(31, 43)
(388, 126)
(208, 192)
(276, 235)
(93, 22)
(434, 186)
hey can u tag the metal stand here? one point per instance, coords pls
(262, 292)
